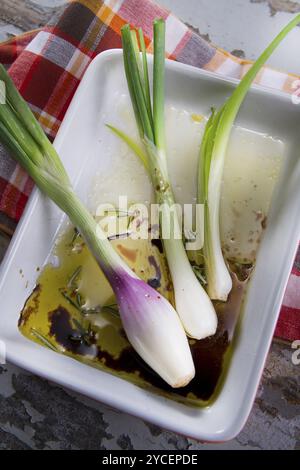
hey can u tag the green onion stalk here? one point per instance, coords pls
(211, 164)
(193, 305)
(149, 320)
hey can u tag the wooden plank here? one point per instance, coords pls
(26, 14)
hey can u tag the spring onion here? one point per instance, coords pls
(192, 302)
(150, 322)
(212, 156)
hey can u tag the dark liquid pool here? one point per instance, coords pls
(51, 317)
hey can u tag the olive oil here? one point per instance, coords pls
(72, 310)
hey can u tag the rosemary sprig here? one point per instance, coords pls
(113, 308)
(43, 340)
(76, 234)
(119, 212)
(74, 277)
(119, 236)
(200, 274)
(74, 303)
(85, 335)
(91, 311)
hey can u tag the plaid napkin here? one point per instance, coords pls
(47, 66)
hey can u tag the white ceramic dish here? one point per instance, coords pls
(79, 145)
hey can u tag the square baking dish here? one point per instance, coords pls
(81, 139)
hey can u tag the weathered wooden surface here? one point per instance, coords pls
(17, 16)
(37, 414)
(40, 415)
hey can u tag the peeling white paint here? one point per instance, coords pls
(240, 24)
